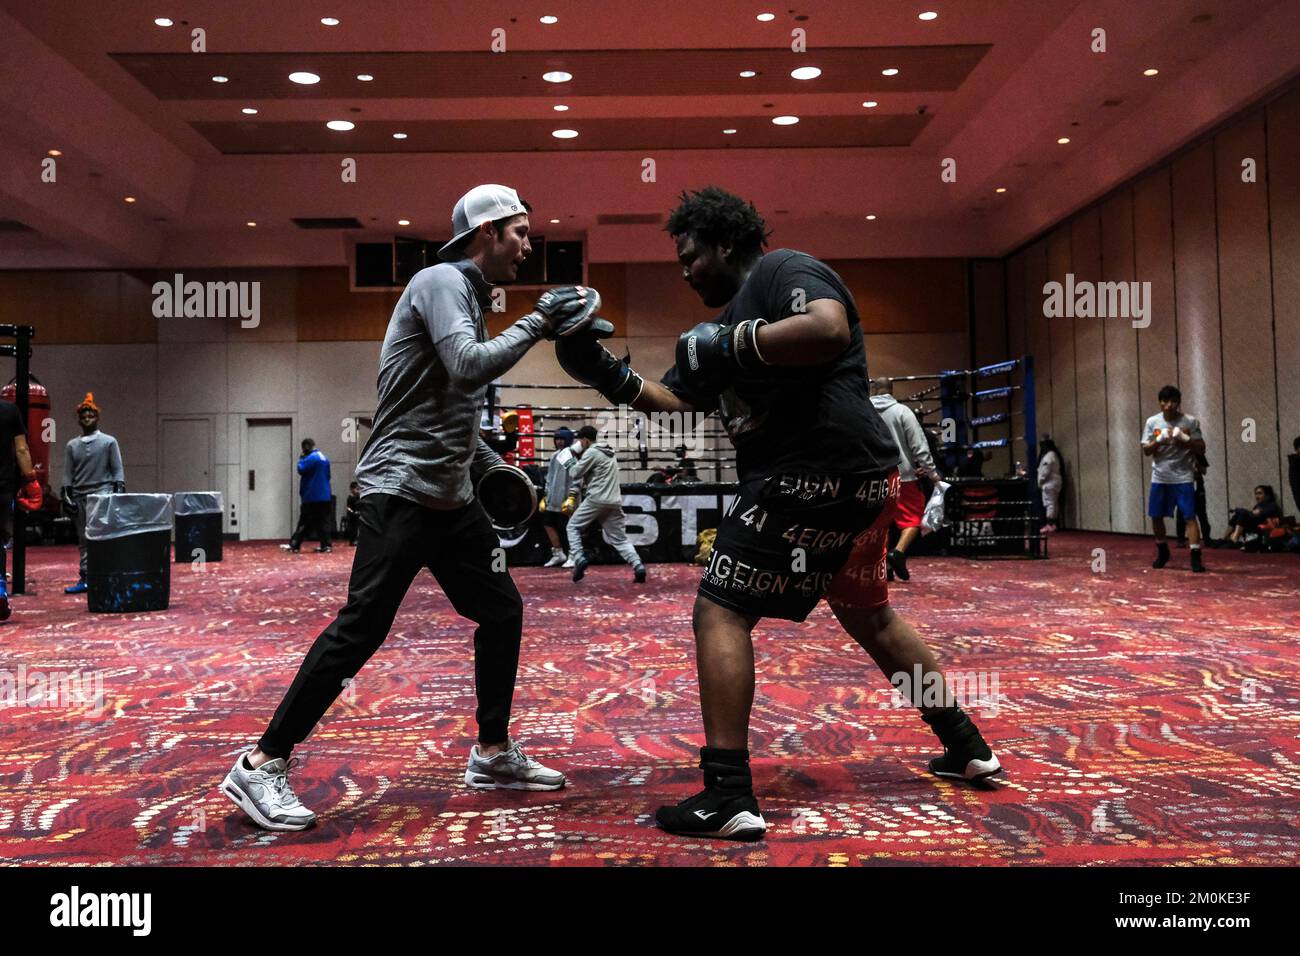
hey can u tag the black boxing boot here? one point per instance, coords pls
(1162, 554)
(966, 755)
(725, 808)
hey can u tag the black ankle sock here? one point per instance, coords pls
(726, 770)
(955, 730)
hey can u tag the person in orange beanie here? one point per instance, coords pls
(92, 465)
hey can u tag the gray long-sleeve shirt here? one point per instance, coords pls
(600, 468)
(434, 369)
(92, 463)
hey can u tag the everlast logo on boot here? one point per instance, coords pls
(134, 910)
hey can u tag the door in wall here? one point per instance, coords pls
(187, 455)
(269, 473)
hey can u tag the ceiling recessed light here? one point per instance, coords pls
(554, 221)
(56, 152)
(399, 136)
(1000, 189)
(305, 78)
(163, 21)
(560, 108)
(128, 199)
(728, 132)
(221, 79)
(871, 104)
(892, 71)
(872, 216)
(330, 21)
(1151, 72)
(785, 120)
(365, 77)
(557, 76)
(748, 73)
(1063, 140)
(806, 73)
(564, 133)
(250, 224)
(548, 19)
(928, 15)
(765, 17)
(341, 126)
(403, 222)
(249, 111)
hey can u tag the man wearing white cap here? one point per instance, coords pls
(418, 507)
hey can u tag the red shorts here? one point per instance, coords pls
(911, 505)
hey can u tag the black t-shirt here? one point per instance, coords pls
(11, 426)
(816, 419)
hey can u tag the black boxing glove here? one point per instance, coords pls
(709, 355)
(589, 362)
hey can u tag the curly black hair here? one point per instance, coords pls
(716, 217)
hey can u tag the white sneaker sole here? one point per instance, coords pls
(976, 771)
(230, 787)
(481, 781)
(743, 826)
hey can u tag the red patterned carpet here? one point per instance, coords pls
(1144, 718)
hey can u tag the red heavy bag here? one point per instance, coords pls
(38, 412)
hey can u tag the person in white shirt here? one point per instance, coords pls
(1049, 481)
(1173, 439)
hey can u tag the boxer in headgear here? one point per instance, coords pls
(418, 475)
(785, 367)
(559, 488)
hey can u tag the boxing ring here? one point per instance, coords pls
(969, 415)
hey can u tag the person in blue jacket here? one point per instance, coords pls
(314, 516)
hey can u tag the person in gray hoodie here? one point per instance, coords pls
(557, 504)
(602, 502)
(914, 461)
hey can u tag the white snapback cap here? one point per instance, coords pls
(481, 204)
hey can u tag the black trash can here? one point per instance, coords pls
(128, 544)
(198, 526)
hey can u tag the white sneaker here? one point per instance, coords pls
(265, 795)
(568, 562)
(557, 559)
(511, 769)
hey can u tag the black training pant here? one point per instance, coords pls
(398, 538)
(313, 522)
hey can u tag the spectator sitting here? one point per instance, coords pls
(1243, 522)
(1293, 464)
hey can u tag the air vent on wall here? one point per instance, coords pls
(342, 222)
(13, 225)
(630, 219)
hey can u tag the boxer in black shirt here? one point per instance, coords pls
(785, 368)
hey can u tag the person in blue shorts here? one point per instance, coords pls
(1173, 440)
